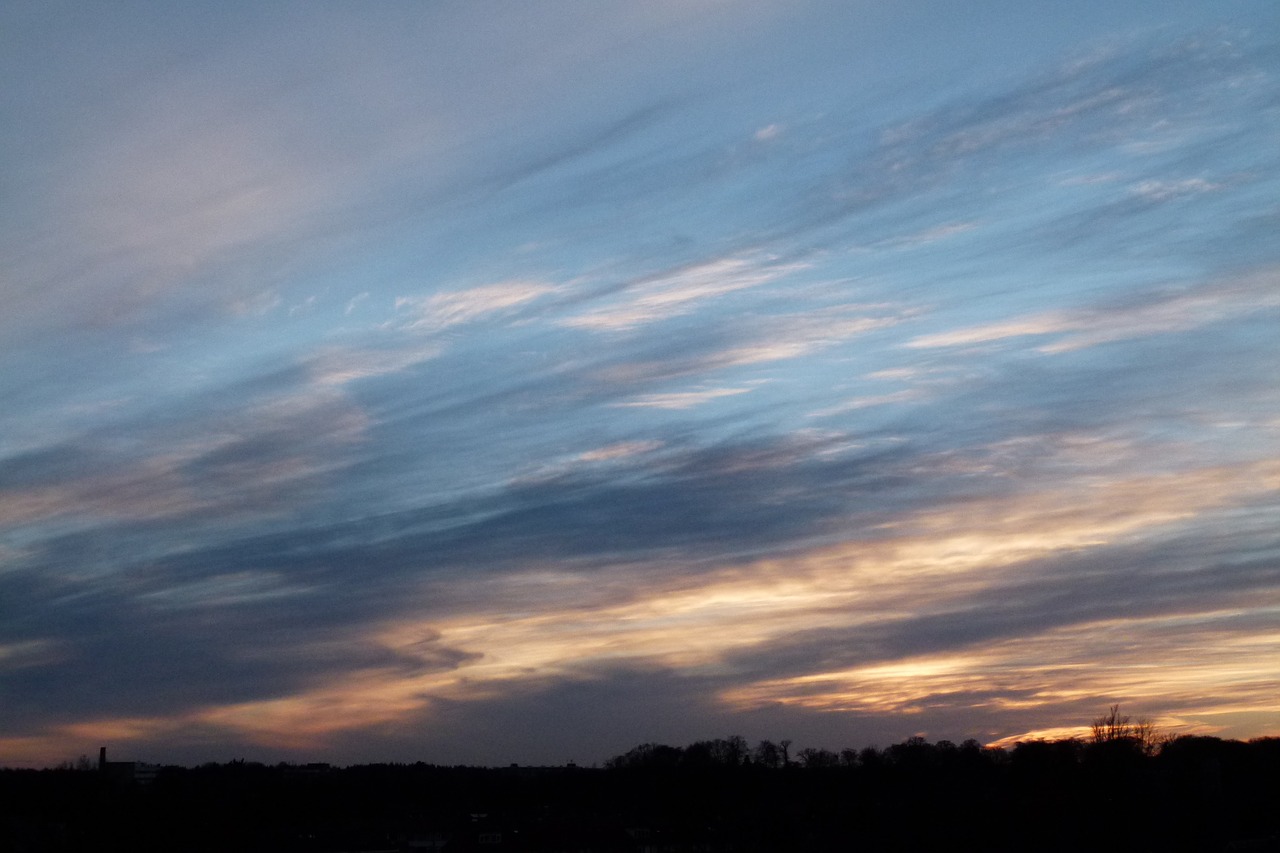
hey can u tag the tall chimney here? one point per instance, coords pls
(102, 758)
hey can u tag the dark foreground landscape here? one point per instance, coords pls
(1185, 794)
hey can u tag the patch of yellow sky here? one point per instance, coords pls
(548, 623)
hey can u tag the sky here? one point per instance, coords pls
(521, 382)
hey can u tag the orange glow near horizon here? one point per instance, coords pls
(571, 626)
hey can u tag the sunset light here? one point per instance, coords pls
(489, 383)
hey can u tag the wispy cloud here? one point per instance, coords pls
(28, 653)
(681, 399)
(744, 342)
(680, 292)
(622, 450)
(928, 236)
(341, 365)
(1159, 312)
(869, 401)
(400, 395)
(768, 132)
(1168, 190)
(926, 565)
(792, 336)
(226, 590)
(442, 310)
(1138, 660)
(239, 463)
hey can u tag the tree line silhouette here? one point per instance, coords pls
(1124, 788)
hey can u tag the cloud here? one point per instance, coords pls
(683, 399)
(728, 618)
(928, 236)
(370, 521)
(570, 625)
(1027, 327)
(1169, 190)
(679, 292)
(747, 341)
(619, 458)
(893, 616)
(227, 590)
(156, 201)
(27, 653)
(768, 132)
(1137, 661)
(341, 365)
(355, 301)
(905, 396)
(1153, 313)
(621, 450)
(1078, 116)
(218, 157)
(441, 310)
(235, 463)
(795, 335)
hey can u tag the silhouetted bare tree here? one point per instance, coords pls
(812, 757)
(1114, 727)
(768, 754)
